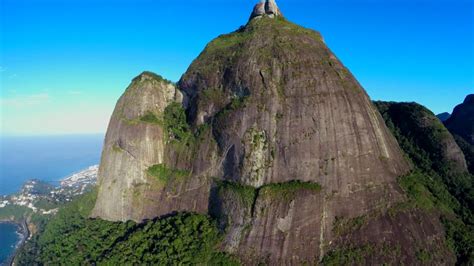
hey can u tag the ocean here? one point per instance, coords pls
(47, 158)
(9, 239)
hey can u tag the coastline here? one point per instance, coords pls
(23, 205)
(24, 234)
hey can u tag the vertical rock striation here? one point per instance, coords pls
(278, 142)
(134, 142)
(284, 108)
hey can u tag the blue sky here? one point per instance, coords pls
(64, 63)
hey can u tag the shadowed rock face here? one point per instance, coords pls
(461, 121)
(443, 116)
(274, 116)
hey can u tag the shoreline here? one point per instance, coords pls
(24, 234)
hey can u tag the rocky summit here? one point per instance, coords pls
(266, 7)
(270, 134)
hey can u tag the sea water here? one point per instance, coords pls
(9, 238)
(47, 158)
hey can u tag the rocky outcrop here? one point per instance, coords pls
(265, 7)
(283, 108)
(134, 142)
(461, 122)
(152, 164)
(277, 141)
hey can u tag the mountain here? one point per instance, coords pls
(427, 132)
(267, 151)
(274, 137)
(461, 125)
(443, 116)
(134, 141)
(441, 183)
(461, 122)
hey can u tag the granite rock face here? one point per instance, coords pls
(284, 108)
(279, 141)
(131, 146)
(266, 7)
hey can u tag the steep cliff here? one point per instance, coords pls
(134, 142)
(461, 125)
(461, 121)
(274, 138)
(283, 108)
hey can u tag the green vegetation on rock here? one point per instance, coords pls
(178, 129)
(359, 255)
(72, 238)
(434, 185)
(343, 226)
(246, 194)
(460, 238)
(288, 190)
(150, 117)
(236, 104)
(155, 76)
(423, 256)
(165, 174)
(184, 139)
(468, 151)
(426, 193)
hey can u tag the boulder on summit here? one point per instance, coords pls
(265, 7)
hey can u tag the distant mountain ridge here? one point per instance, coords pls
(461, 122)
(461, 125)
(443, 116)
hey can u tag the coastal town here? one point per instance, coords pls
(44, 198)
